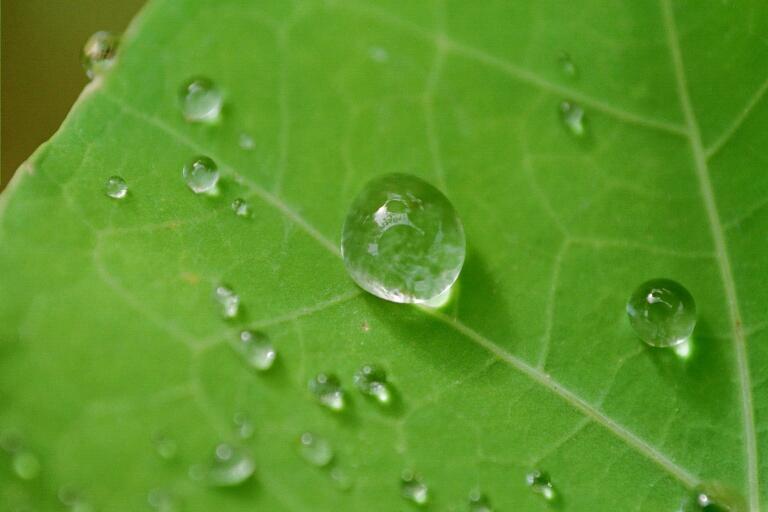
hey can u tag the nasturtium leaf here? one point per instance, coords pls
(111, 336)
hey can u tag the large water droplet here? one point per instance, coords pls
(371, 380)
(228, 299)
(240, 207)
(662, 312)
(26, 465)
(244, 425)
(567, 66)
(479, 502)
(165, 447)
(200, 100)
(540, 483)
(572, 116)
(413, 488)
(163, 501)
(229, 466)
(315, 450)
(327, 389)
(116, 187)
(402, 239)
(257, 350)
(201, 175)
(99, 53)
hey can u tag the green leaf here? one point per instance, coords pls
(110, 334)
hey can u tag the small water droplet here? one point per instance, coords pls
(378, 54)
(165, 447)
(567, 66)
(74, 500)
(163, 501)
(99, 53)
(26, 465)
(572, 116)
(341, 479)
(402, 239)
(228, 299)
(244, 425)
(257, 349)
(662, 312)
(241, 208)
(201, 175)
(479, 502)
(200, 100)
(713, 498)
(413, 488)
(116, 187)
(229, 466)
(315, 450)
(371, 380)
(327, 389)
(540, 483)
(246, 141)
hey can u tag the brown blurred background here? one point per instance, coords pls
(41, 74)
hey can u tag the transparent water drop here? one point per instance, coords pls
(714, 498)
(201, 175)
(315, 449)
(327, 389)
(246, 141)
(244, 425)
(341, 479)
(413, 488)
(99, 53)
(540, 483)
(402, 239)
(241, 208)
(479, 502)
(26, 465)
(257, 350)
(116, 187)
(200, 100)
(371, 380)
(228, 299)
(572, 116)
(230, 466)
(567, 66)
(662, 312)
(164, 446)
(163, 501)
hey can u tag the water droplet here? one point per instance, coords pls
(163, 501)
(244, 425)
(315, 450)
(371, 380)
(201, 175)
(165, 447)
(228, 299)
(572, 116)
(74, 500)
(567, 66)
(412, 488)
(241, 208)
(26, 465)
(378, 54)
(479, 502)
(715, 498)
(116, 187)
(230, 466)
(327, 390)
(257, 349)
(200, 100)
(540, 483)
(246, 141)
(662, 312)
(402, 239)
(341, 479)
(99, 53)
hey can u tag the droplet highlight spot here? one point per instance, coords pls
(662, 312)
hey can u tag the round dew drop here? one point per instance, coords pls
(413, 489)
(230, 466)
(228, 299)
(540, 483)
(241, 208)
(200, 100)
(99, 53)
(116, 187)
(371, 380)
(402, 240)
(257, 350)
(201, 174)
(327, 389)
(662, 312)
(572, 116)
(315, 450)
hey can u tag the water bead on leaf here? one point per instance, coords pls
(201, 174)
(540, 483)
(327, 390)
(200, 100)
(257, 349)
(116, 187)
(240, 207)
(413, 488)
(662, 312)
(479, 502)
(371, 380)
(99, 53)
(315, 450)
(228, 300)
(402, 239)
(229, 466)
(572, 116)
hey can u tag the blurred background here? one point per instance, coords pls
(40, 67)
